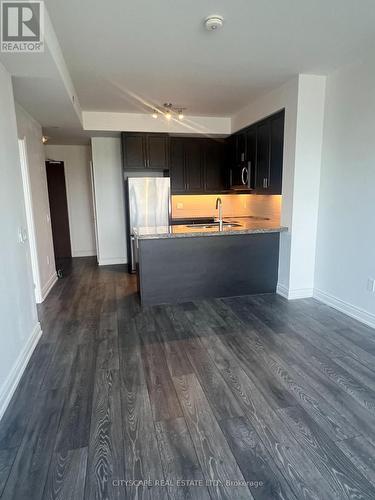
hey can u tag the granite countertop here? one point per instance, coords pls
(248, 225)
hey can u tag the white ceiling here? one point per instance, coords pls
(123, 53)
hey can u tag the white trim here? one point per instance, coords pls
(68, 203)
(83, 253)
(112, 262)
(298, 293)
(282, 290)
(10, 385)
(30, 219)
(349, 309)
(48, 286)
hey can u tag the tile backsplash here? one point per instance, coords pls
(234, 205)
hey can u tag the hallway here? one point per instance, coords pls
(250, 397)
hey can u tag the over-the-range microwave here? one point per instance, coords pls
(240, 177)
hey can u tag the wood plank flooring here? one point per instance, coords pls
(248, 397)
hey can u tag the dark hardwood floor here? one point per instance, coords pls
(247, 397)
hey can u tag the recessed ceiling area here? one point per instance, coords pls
(122, 54)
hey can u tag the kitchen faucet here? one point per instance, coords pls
(219, 206)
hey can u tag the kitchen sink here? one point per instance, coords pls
(214, 225)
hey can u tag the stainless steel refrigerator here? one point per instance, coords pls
(149, 206)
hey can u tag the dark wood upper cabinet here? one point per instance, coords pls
(276, 153)
(177, 165)
(194, 165)
(215, 156)
(142, 151)
(251, 154)
(202, 165)
(157, 150)
(263, 148)
(240, 148)
(263, 156)
(133, 151)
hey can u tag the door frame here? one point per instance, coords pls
(93, 200)
(22, 146)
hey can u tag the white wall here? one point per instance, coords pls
(144, 122)
(303, 100)
(345, 257)
(309, 134)
(78, 186)
(32, 131)
(109, 196)
(20, 328)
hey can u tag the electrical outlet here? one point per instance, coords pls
(180, 206)
(48, 260)
(371, 285)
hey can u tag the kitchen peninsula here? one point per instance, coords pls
(186, 261)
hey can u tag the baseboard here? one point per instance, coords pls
(346, 308)
(10, 385)
(48, 287)
(112, 262)
(282, 290)
(298, 293)
(83, 253)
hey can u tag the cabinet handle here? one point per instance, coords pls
(242, 156)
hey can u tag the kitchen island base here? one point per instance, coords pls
(175, 270)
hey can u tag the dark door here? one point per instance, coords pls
(276, 152)
(214, 162)
(263, 157)
(177, 165)
(193, 158)
(157, 151)
(59, 209)
(134, 151)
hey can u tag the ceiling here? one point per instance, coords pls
(123, 54)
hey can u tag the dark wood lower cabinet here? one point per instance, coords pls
(182, 269)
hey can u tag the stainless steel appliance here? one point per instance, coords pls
(149, 206)
(240, 177)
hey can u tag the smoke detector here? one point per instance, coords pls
(212, 23)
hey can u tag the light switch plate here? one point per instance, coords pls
(371, 285)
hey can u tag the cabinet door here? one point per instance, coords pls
(276, 151)
(251, 154)
(263, 157)
(193, 165)
(240, 152)
(133, 151)
(177, 165)
(214, 163)
(157, 151)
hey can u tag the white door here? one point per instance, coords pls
(30, 219)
